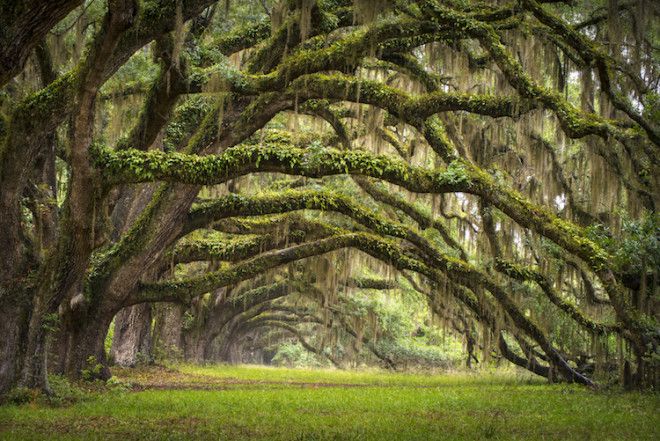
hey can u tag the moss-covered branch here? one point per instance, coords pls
(240, 38)
(529, 274)
(232, 250)
(575, 123)
(424, 220)
(411, 109)
(186, 289)
(187, 251)
(131, 166)
(343, 54)
(592, 54)
(134, 166)
(291, 200)
(324, 18)
(372, 283)
(295, 223)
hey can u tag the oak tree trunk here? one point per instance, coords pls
(131, 342)
(13, 329)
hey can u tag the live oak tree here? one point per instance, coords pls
(500, 158)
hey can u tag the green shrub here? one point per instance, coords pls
(93, 369)
(143, 359)
(20, 395)
(63, 391)
(115, 383)
(294, 355)
(169, 353)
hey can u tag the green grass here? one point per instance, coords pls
(374, 377)
(246, 403)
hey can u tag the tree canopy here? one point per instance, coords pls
(280, 169)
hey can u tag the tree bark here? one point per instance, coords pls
(35, 368)
(132, 341)
(84, 346)
(25, 23)
(167, 334)
(14, 319)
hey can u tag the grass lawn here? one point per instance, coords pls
(252, 403)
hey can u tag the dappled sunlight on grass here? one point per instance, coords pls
(364, 376)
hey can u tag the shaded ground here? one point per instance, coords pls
(221, 402)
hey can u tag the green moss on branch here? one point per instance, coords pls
(412, 109)
(135, 166)
(132, 166)
(193, 250)
(529, 274)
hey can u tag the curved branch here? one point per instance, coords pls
(24, 24)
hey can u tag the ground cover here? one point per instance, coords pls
(248, 402)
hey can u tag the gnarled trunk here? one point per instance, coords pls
(194, 346)
(34, 372)
(131, 342)
(167, 337)
(83, 353)
(13, 329)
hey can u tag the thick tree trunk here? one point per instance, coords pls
(224, 349)
(167, 334)
(131, 342)
(34, 373)
(84, 347)
(13, 329)
(194, 346)
(208, 349)
(235, 354)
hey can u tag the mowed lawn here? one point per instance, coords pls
(255, 403)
